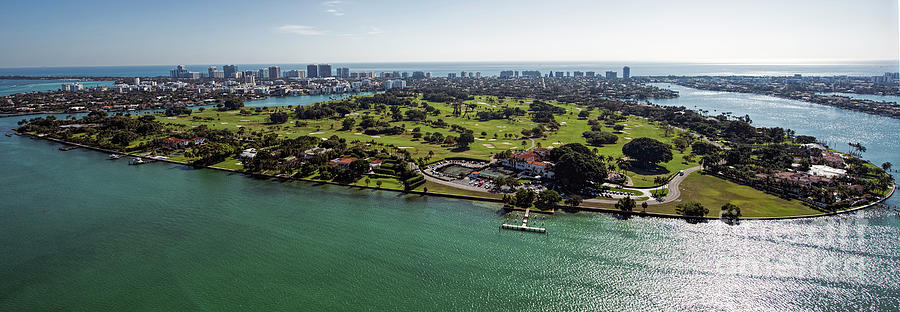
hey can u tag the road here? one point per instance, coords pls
(673, 195)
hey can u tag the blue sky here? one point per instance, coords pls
(73, 33)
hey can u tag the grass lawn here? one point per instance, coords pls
(714, 192)
(230, 163)
(440, 188)
(386, 183)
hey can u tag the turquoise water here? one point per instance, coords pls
(79, 232)
(300, 100)
(13, 86)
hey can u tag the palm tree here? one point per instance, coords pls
(368, 181)
(378, 183)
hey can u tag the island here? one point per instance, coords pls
(546, 152)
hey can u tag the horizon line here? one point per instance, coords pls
(792, 62)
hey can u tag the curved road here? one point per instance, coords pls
(673, 186)
(674, 191)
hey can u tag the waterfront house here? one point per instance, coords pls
(342, 162)
(310, 153)
(248, 153)
(177, 142)
(826, 171)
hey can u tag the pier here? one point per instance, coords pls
(524, 226)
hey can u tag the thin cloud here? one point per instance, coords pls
(300, 30)
(375, 31)
(334, 7)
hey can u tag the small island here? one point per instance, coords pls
(530, 153)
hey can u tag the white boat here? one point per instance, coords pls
(137, 161)
(114, 156)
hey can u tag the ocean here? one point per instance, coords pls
(494, 68)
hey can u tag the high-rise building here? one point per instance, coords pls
(343, 72)
(312, 71)
(478, 75)
(462, 74)
(404, 75)
(274, 72)
(418, 74)
(531, 74)
(506, 74)
(213, 73)
(611, 75)
(230, 71)
(589, 74)
(388, 84)
(324, 70)
(577, 74)
(72, 87)
(626, 72)
(558, 74)
(428, 75)
(249, 77)
(295, 74)
(181, 72)
(137, 81)
(451, 75)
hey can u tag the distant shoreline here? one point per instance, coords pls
(563, 208)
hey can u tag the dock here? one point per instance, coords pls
(524, 226)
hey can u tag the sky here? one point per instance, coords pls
(86, 33)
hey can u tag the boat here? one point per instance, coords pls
(114, 156)
(137, 161)
(9, 134)
(67, 148)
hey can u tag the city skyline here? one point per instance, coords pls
(279, 32)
